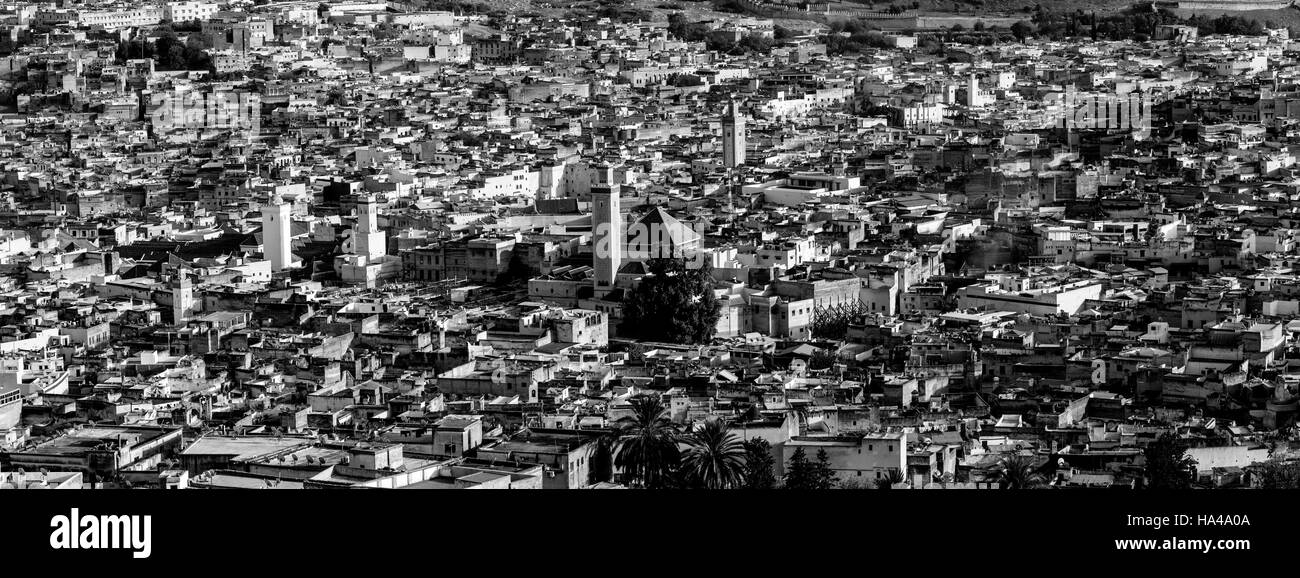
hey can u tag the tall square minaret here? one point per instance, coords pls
(275, 234)
(733, 137)
(606, 229)
(370, 239)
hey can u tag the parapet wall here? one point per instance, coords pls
(1194, 5)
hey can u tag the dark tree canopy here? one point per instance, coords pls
(1168, 467)
(673, 304)
(798, 471)
(1017, 472)
(169, 52)
(760, 467)
(715, 457)
(804, 474)
(823, 476)
(686, 31)
(602, 459)
(1278, 475)
(516, 270)
(647, 451)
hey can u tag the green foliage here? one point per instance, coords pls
(673, 304)
(647, 447)
(798, 471)
(1168, 467)
(1278, 475)
(602, 459)
(888, 481)
(821, 359)
(169, 52)
(804, 474)
(468, 139)
(715, 459)
(1022, 30)
(737, 7)
(516, 271)
(684, 80)
(760, 467)
(754, 43)
(616, 10)
(193, 25)
(685, 31)
(1017, 472)
(862, 36)
(1138, 22)
(823, 477)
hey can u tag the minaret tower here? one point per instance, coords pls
(733, 137)
(973, 99)
(606, 229)
(182, 298)
(369, 239)
(275, 234)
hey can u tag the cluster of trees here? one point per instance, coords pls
(852, 27)
(979, 35)
(617, 10)
(802, 473)
(751, 43)
(1137, 23)
(386, 31)
(673, 304)
(1168, 467)
(653, 454)
(462, 6)
(647, 447)
(736, 7)
(684, 80)
(686, 31)
(1279, 475)
(468, 139)
(168, 51)
(899, 9)
(862, 36)
(192, 25)
(1229, 24)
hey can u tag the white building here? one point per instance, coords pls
(187, 11)
(275, 234)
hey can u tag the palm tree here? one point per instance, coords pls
(647, 449)
(892, 477)
(1018, 472)
(716, 458)
(602, 458)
